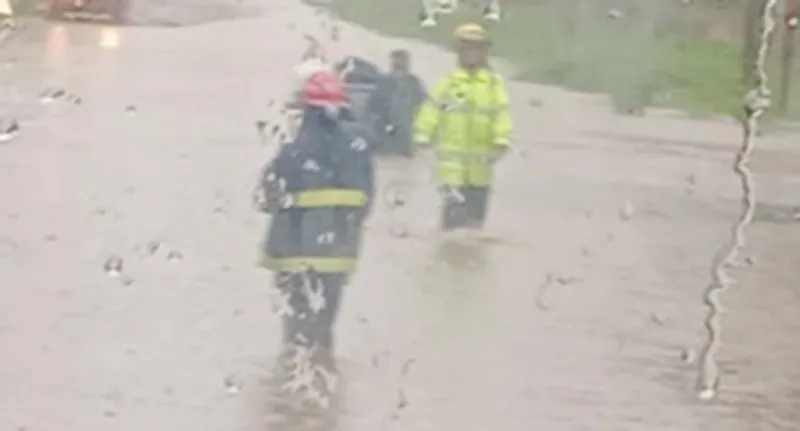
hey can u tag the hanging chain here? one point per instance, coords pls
(756, 103)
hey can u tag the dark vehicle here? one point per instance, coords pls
(361, 78)
(106, 10)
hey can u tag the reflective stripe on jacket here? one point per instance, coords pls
(317, 264)
(316, 229)
(467, 117)
(328, 198)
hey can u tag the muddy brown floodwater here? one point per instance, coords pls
(580, 309)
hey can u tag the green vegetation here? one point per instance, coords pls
(24, 7)
(607, 55)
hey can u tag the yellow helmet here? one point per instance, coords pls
(471, 32)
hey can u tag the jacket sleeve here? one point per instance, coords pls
(426, 123)
(503, 123)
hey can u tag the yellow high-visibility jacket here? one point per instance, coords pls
(467, 117)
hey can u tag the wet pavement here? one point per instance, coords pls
(578, 309)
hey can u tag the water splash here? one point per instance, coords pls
(309, 380)
(756, 103)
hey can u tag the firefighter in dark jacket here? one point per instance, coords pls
(319, 191)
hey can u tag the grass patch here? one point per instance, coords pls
(608, 56)
(25, 7)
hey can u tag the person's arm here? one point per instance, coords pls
(426, 122)
(503, 125)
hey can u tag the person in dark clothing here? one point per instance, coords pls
(394, 103)
(319, 190)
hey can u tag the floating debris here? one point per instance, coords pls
(174, 256)
(688, 356)
(8, 130)
(50, 94)
(402, 400)
(261, 125)
(113, 266)
(232, 385)
(152, 247)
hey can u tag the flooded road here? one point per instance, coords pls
(580, 310)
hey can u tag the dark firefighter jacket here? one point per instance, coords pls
(393, 105)
(319, 190)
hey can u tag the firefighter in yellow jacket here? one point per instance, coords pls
(467, 120)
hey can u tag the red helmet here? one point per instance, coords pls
(323, 88)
